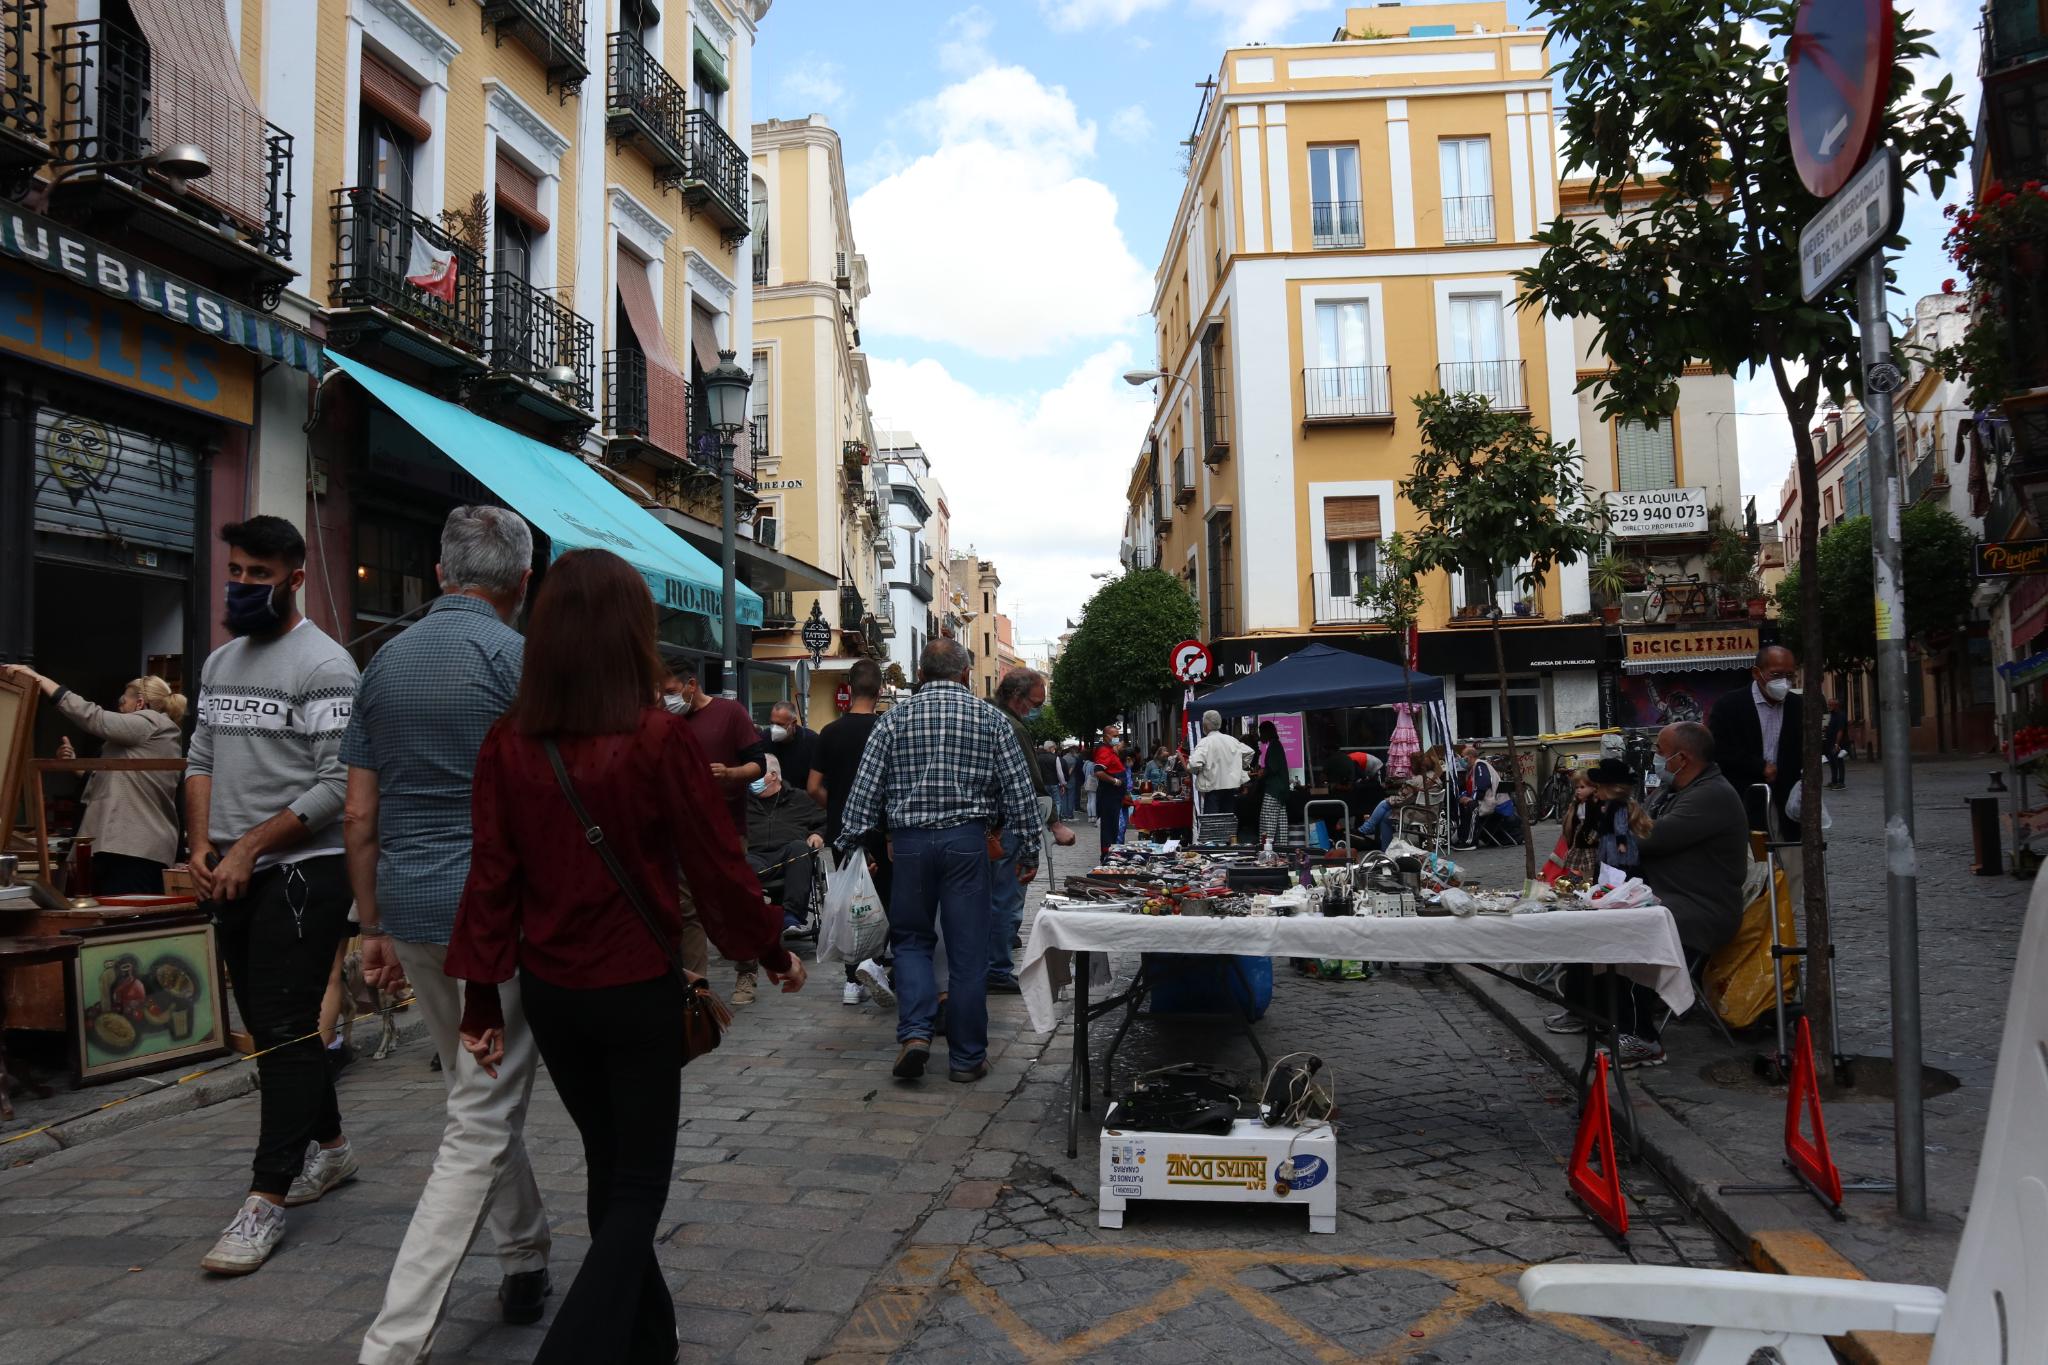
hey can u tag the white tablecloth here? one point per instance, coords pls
(1642, 943)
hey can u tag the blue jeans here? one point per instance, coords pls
(942, 881)
(1380, 825)
(1006, 906)
(1063, 801)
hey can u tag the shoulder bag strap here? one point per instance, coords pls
(595, 837)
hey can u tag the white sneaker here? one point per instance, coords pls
(743, 988)
(853, 994)
(875, 977)
(249, 1240)
(325, 1168)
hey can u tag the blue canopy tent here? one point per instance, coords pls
(1320, 678)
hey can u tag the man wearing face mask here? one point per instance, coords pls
(794, 746)
(425, 704)
(264, 788)
(1756, 736)
(730, 740)
(784, 827)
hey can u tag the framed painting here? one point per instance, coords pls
(146, 998)
(18, 698)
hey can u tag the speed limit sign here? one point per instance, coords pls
(1190, 661)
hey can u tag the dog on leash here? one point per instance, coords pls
(359, 998)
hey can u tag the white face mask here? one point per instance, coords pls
(1777, 689)
(674, 702)
(778, 733)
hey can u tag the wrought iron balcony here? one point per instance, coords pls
(1139, 560)
(1347, 393)
(885, 616)
(118, 102)
(1334, 596)
(1184, 478)
(760, 254)
(778, 610)
(1499, 382)
(715, 174)
(531, 332)
(2013, 32)
(1337, 222)
(375, 267)
(644, 106)
(24, 130)
(552, 30)
(1468, 218)
(851, 607)
(921, 581)
(1926, 476)
(757, 438)
(885, 549)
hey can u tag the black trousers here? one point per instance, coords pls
(278, 942)
(121, 874)
(793, 865)
(615, 1054)
(1641, 1009)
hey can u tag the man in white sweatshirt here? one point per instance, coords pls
(1218, 762)
(264, 787)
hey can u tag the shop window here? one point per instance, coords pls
(394, 570)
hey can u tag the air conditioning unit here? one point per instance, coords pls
(766, 530)
(1635, 608)
(842, 274)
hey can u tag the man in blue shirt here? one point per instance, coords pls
(945, 769)
(425, 703)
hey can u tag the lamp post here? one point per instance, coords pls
(725, 390)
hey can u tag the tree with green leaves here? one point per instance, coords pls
(1496, 496)
(1394, 597)
(1121, 655)
(1937, 549)
(1689, 103)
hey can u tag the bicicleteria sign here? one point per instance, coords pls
(1680, 648)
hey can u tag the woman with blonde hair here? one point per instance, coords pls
(131, 818)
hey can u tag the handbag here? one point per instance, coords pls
(705, 1016)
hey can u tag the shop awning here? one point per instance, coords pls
(564, 498)
(1691, 663)
(761, 567)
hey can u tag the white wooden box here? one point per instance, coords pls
(1244, 1167)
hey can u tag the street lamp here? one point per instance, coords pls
(725, 390)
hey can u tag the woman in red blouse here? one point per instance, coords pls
(605, 1009)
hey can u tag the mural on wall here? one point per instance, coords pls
(1659, 699)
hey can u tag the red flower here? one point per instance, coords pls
(1948, 286)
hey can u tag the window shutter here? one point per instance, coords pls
(1643, 458)
(395, 97)
(518, 193)
(1351, 518)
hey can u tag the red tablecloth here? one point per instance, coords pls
(1163, 815)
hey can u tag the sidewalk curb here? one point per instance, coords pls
(229, 1083)
(1696, 1172)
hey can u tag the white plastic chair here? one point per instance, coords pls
(1996, 1309)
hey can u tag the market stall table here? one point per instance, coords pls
(1639, 943)
(1162, 815)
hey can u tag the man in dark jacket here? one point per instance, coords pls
(1834, 743)
(1695, 857)
(784, 826)
(1756, 736)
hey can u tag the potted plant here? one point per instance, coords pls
(1609, 577)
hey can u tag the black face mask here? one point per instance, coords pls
(257, 608)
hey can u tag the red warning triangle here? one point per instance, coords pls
(1598, 1187)
(1810, 1158)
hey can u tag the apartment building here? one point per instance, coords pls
(1353, 217)
(915, 536)
(409, 255)
(821, 493)
(977, 588)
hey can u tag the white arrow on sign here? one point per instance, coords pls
(1834, 136)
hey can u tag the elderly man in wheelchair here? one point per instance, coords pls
(785, 833)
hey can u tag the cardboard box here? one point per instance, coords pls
(1252, 1164)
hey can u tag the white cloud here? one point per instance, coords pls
(964, 50)
(813, 85)
(992, 241)
(1011, 464)
(1240, 21)
(1069, 15)
(1130, 124)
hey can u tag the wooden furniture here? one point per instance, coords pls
(81, 765)
(39, 950)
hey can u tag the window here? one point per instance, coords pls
(390, 131)
(1344, 381)
(1335, 209)
(1478, 344)
(386, 159)
(1479, 707)
(1505, 592)
(1465, 165)
(1827, 505)
(1222, 603)
(1353, 564)
(1341, 336)
(1644, 458)
(514, 247)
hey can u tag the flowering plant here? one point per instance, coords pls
(2001, 245)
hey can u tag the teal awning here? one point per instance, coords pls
(564, 498)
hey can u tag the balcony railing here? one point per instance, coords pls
(921, 581)
(374, 236)
(885, 614)
(1926, 476)
(531, 332)
(851, 607)
(119, 102)
(1334, 596)
(757, 437)
(23, 114)
(1184, 478)
(645, 105)
(1216, 433)
(778, 609)
(630, 396)
(1468, 218)
(1337, 222)
(552, 30)
(1499, 382)
(1346, 393)
(2013, 32)
(1139, 560)
(760, 253)
(715, 172)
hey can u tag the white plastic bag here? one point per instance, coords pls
(1795, 803)
(854, 926)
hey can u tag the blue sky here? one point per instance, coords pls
(1015, 167)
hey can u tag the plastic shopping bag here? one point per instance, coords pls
(854, 926)
(1795, 806)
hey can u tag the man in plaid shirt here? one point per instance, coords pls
(945, 769)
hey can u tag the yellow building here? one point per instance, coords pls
(977, 591)
(820, 507)
(507, 240)
(1354, 215)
